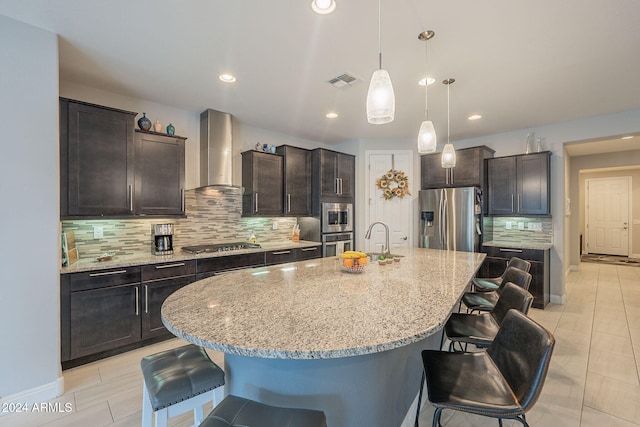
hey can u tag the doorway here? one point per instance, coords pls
(607, 215)
(396, 212)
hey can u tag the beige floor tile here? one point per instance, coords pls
(576, 322)
(612, 397)
(97, 415)
(548, 318)
(29, 416)
(615, 344)
(612, 365)
(83, 376)
(613, 326)
(593, 418)
(89, 396)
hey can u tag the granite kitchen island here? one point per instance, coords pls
(308, 334)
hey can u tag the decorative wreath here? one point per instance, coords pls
(393, 184)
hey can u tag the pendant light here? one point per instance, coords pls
(323, 7)
(427, 134)
(381, 101)
(449, 153)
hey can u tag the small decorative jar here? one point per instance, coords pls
(144, 123)
(157, 126)
(171, 130)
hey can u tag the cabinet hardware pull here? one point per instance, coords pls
(137, 300)
(341, 186)
(178, 264)
(146, 299)
(335, 186)
(256, 211)
(130, 198)
(281, 253)
(288, 202)
(309, 249)
(182, 201)
(108, 273)
(511, 202)
(511, 250)
(518, 202)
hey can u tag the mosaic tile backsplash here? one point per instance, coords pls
(495, 229)
(213, 216)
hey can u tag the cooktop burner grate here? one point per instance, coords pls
(220, 247)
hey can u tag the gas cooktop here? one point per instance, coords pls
(220, 247)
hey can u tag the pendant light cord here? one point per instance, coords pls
(379, 37)
(426, 80)
(448, 113)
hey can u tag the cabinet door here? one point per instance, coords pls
(493, 267)
(467, 170)
(328, 173)
(154, 294)
(502, 185)
(346, 175)
(533, 184)
(99, 166)
(159, 174)
(537, 284)
(309, 253)
(103, 319)
(297, 181)
(280, 257)
(262, 179)
(433, 175)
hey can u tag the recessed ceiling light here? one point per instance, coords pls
(627, 137)
(429, 80)
(474, 117)
(331, 115)
(323, 7)
(227, 78)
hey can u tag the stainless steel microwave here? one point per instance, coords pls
(337, 217)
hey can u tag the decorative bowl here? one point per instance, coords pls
(354, 265)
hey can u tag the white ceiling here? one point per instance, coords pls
(519, 63)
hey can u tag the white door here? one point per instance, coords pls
(395, 212)
(608, 216)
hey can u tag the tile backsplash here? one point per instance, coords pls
(495, 229)
(213, 216)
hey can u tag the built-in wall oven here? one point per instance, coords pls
(334, 244)
(337, 217)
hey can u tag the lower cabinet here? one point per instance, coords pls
(309, 253)
(292, 255)
(498, 257)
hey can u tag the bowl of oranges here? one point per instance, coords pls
(353, 261)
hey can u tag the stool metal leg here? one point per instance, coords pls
(436, 417)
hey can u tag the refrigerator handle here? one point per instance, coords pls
(443, 220)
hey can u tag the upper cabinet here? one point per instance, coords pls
(519, 185)
(96, 160)
(159, 174)
(262, 182)
(297, 180)
(469, 170)
(334, 174)
(107, 169)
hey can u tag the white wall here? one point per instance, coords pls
(29, 284)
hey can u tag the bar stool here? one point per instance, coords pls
(177, 381)
(236, 411)
(485, 284)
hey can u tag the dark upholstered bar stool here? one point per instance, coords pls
(484, 284)
(480, 329)
(177, 381)
(485, 301)
(236, 411)
(502, 382)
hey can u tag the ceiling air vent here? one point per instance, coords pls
(344, 81)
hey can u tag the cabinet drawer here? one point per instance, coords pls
(280, 256)
(309, 253)
(232, 262)
(508, 253)
(104, 278)
(167, 270)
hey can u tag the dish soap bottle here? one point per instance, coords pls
(252, 237)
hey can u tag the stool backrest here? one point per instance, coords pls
(519, 263)
(521, 351)
(512, 297)
(517, 277)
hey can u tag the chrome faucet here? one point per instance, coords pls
(386, 250)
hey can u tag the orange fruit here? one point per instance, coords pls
(363, 261)
(347, 262)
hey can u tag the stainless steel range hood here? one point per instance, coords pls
(216, 149)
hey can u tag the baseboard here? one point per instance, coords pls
(558, 299)
(634, 256)
(34, 395)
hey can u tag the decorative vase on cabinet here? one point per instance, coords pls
(144, 123)
(170, 129)
(157, 126)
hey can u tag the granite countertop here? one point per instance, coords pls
(315, 310)
(148, 258)
(519, 245)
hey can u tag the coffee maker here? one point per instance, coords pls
(162, 239)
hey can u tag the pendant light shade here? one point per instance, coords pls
(427, 142)
(427, 138)
(381, 101)
(448, 153)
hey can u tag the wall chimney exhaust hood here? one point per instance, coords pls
(216, 149)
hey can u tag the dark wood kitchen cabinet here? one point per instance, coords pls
(159, 174)
(519, 185)
(498, 257)
(262, 182)
(334, 175)
(207, 267)
(469, 171)
(96, 160)
(297, 180)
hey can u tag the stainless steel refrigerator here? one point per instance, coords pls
(451, 218)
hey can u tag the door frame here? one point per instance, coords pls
(630, 213)
(413, 187)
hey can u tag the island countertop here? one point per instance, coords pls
(315, 310)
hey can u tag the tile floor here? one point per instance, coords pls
(593, 379)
